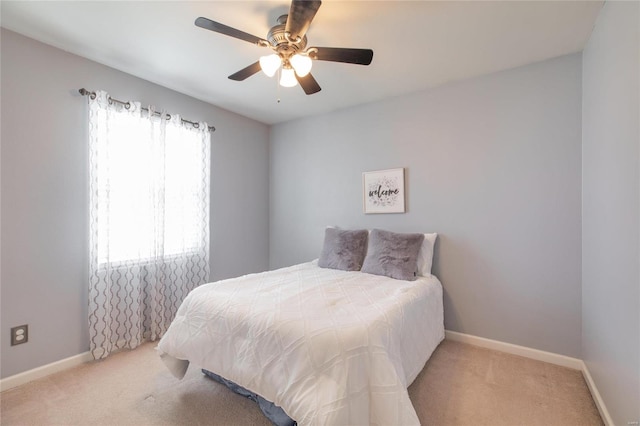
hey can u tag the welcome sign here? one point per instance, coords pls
(383, 191)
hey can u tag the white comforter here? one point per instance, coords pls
(329, 347)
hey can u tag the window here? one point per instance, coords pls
(150, 191)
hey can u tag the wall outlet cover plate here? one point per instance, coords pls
(19, 334)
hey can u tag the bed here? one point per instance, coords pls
(329, 346)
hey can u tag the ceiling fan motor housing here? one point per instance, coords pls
(281, 43)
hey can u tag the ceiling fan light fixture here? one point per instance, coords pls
(270, 64)
(288, 78)
(288, 40)
(301, 64)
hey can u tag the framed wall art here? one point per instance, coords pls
(383, 191)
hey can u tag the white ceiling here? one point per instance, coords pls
(416, 44)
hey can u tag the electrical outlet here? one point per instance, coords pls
(19, 334)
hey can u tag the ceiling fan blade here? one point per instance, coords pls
(301, 14)
(339, 54)
(308, 84)
(217, 27)
(247, 72)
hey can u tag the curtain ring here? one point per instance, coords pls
(127, 105)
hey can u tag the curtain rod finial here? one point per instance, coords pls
(85, 92)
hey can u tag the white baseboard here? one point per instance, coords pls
(552, 358)
(604, 413)
(45, 370)
(536, 354)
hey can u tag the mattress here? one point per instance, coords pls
(328, 346)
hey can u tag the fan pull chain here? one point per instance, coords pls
(278, 84)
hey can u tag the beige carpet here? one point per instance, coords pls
(460, 385)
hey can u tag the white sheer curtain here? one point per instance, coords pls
(149, 220)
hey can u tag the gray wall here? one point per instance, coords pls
(610, 215)
(493, 165)
(44, 189)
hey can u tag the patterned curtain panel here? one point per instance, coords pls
(149, 220)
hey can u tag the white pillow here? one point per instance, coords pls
(425, 256)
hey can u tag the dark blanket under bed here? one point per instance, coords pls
(269, 409)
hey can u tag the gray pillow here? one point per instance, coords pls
(343, 249)
(393, 255)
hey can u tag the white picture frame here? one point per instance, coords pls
(383, 191)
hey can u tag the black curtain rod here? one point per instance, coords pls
(92, 95)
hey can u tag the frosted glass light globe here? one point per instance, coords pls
(301, 64)
(288, 78)
(270, 64)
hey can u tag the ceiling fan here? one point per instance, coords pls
(289, 42)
